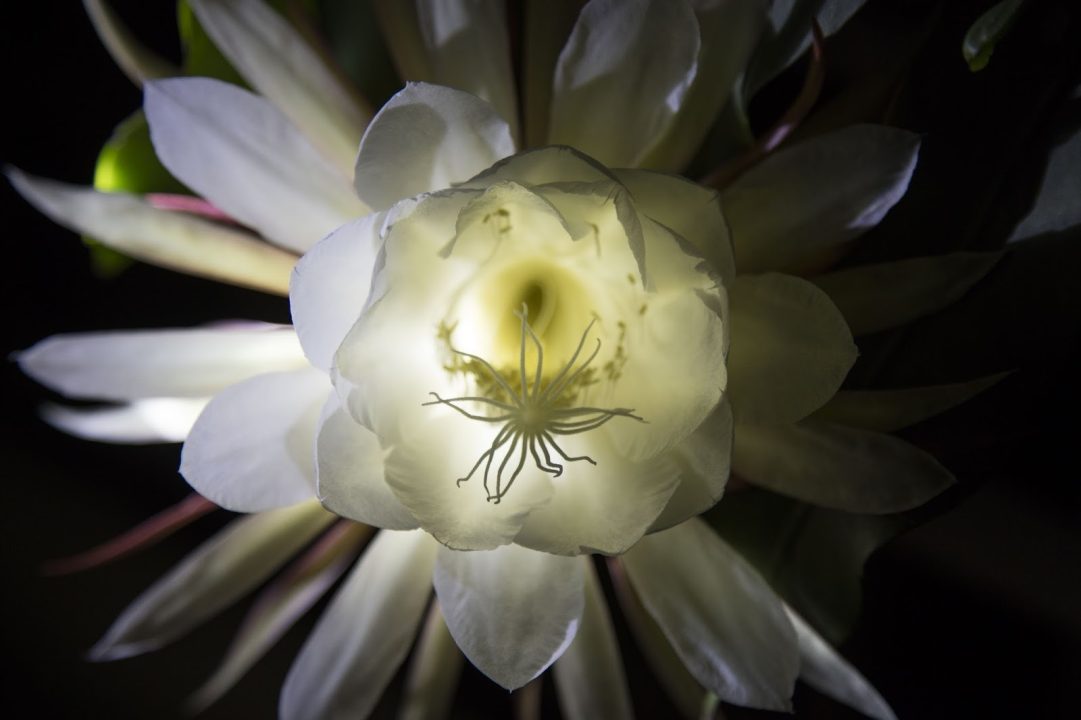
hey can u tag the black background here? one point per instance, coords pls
(975, 614)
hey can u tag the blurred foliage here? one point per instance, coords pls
(992, 26)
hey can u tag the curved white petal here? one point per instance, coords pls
(153, 420)
(218, 573)
(173, 240)
(589, 675)
(133, 364)
(425, 138)
(721, 617)
(797, 209)
(279, 63)
(349, 481)
(330, 285)
(433, 672)
(623, 76)
(468, 49)
(135, 59)
(512, 611)
(366, 632)
(543, 166)
(823, 668)
(791, 349)
(240, 153)
(251, 449)
(838, 467)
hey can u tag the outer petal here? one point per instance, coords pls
(825, 670)
(251, 449)
(350, 472)
(137, 62)
(433, 672)
(790, 350)
(885, 295)
(243, 155)
(589, 675)
(838, 467)
(131, 364)
(218, 573)
(365, 634)
(623, 76)
(427, 138)
(173, 240)
(724, 621)
(796, 209)
(153, 420)
(280, 64)
(330, 285)
(512, 611)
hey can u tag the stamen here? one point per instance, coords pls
(533, 416)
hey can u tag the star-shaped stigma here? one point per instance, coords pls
(534, 416)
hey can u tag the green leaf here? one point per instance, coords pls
(992, 26)
(811, 556)
(353, 38)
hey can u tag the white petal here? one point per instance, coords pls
(218, 573)
(838, 467)
(589, 675)
(468, 49)
(704, 460)
(365, 634)
(722, 618)
(132, 364)
(350, 472)
(622, 77)
(154, 420)
(798, 208)
(240, 153)
(825, 670)
(543, 166)
(791, 349)
(251, 449)
(173, 240)
(427, 138)
(279, 63)
(885, 295)
(433, 673)
(282, 604)
(512, 611)
(137, 62)
(330, 285)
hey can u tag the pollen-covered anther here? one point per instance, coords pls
(533, 414)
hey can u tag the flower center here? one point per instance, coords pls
(532, 413)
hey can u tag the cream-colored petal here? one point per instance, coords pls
(133, 364)
(512, 611)
(365, 633)
(281, 605)
(891, 410)
(137, 61)
(622, 77)
(468, 48)
(218, 573)
(433, 674)
(823, 668)
(838, 467)
(425, 138)
(330, 285)
(602, 508)
(795, 211)
(279, 63)
(350, 472)
(169, 239)
(886, 295)
(590, 681)
(251, 449)
(543, 166)
(791, 349)
(240, 153)
(704, 460)
(723, 620)
(691, 211)
(151, 420)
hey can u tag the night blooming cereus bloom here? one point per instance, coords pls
(506, 359)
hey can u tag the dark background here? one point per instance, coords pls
(975, 614)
